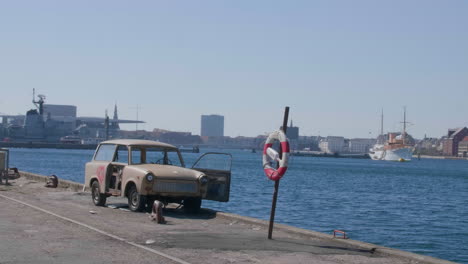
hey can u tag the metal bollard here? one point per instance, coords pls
(4, 162)
(157, 213)
(2, 175)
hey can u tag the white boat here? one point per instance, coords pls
(399, 153)
(393, 146)
(376, 152)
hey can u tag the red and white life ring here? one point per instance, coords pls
(272, 173)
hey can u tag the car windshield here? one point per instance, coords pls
(156, 155)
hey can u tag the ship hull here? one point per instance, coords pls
(376, 155)
(400, 154)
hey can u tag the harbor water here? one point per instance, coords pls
(419, 206)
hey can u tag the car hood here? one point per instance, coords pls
(169, 171)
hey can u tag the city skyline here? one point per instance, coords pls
(129, 124)
(335, 63)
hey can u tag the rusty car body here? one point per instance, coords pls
(145, 171)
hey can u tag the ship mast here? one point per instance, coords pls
(404, 125)
(39, 103)
(381, 124)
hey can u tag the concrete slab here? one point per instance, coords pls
(43, 225)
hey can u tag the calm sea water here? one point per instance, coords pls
(419, 206)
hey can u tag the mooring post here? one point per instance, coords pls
(275, 193)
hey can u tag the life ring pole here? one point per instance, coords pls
(275, 193)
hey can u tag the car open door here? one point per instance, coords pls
(217, 167)
(99, 170)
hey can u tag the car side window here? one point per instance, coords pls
(122, 154)
(137, 158)
(154, 155)
(105, 152)
(173, 158)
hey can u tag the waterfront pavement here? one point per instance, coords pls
(43, 225)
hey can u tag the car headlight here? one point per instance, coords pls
(203, 180)
(149, 177)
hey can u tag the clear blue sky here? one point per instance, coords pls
(335, 63)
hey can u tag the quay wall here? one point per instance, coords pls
(70, 185)
(414, 258)
(35, 145)
(440, 157)
(46, 145)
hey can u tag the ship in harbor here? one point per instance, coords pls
(57, 124)
(393, 146)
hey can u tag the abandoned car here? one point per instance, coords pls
(145, 171)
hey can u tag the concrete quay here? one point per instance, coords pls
(46, 145)
(44, 225)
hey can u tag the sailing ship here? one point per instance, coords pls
(393, 146)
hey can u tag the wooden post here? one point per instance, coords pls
(275, 193)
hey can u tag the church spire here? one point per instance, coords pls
(115, 112)
(115, 123)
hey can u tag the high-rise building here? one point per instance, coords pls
(212, 125)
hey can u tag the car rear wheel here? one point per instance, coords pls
(192, 205)
(136, 201)
(99, 199)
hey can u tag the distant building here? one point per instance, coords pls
(332, 144)
(212, 126)
(360, 145)
(292, 132)
(454, 136)
(463, 147)
(430, 146)
(179, 138)
(61, 113)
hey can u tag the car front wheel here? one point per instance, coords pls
(136, 201)
(99, 199)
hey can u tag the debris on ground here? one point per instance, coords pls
(157, 212)
(52, 181)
